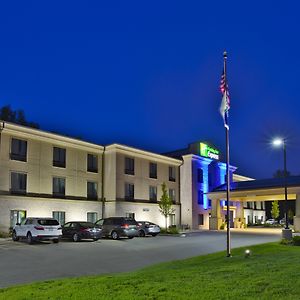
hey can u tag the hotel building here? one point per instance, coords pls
(44, 174)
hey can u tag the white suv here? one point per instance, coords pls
(37, 229)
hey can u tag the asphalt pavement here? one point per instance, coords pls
(21, 263)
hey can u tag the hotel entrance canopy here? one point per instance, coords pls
(259, 190)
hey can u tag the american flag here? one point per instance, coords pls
(225, 104)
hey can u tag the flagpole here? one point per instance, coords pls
(227, 163)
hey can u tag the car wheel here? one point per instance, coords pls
(141, 233)
(130, 237)
(76, 237)
(14, 236)
(29, 238)
(95, 240)
(55, 241)
(154, 234)
(115, 235)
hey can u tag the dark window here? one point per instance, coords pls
(60, 216)
(254, 205)
(200, 197)
(152, 193)
(92, 192)
(200, 175)
(18, 150)
(18, 183)
(92, 163)
(129, 166)
(17, 216)
(92, 217)
(153, 170)
(209, 179)
(209, 203)
(200, 219)
(59, 157)
(59, 185)
(131, 216)
(172, 195)
(129, 191)
(172, 175)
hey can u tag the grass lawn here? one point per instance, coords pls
(272, 272)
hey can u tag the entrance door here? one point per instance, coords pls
(231, 219)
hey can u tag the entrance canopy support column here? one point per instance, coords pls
(297, 216)
(239, 220)
(215, 221)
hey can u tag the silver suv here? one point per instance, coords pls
(37, 229)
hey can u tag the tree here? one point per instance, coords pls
(275, 210)
(280, 174)
(165, 204)
(290, 215)
(15, 116)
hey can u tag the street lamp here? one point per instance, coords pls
(278, 142)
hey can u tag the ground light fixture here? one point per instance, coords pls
(247, 253)
(286, 232)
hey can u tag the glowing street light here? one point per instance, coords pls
(281, 142)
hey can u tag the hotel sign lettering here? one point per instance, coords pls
(208, 151)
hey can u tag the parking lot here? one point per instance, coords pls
(22, 263)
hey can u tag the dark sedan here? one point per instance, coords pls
(81, 230)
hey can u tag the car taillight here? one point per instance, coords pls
(59, 228)
(39, 227)
(125, 226)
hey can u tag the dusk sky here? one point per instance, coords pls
(147, 73)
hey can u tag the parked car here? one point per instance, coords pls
(77, 231)
(271, 221)
(116, 227)
(37, 229)
(282, 221)
(148, 228)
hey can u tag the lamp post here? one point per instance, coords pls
(278, 142)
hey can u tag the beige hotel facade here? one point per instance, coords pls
(43, 174)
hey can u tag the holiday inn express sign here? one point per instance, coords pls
(208, 151)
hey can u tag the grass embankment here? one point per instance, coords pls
(272, 272)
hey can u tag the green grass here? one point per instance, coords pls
(271, 272)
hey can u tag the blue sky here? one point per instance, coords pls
(147, 74)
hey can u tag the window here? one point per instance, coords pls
(18, 150)
(92, 163)
(92, 190)
(209, 202)
(172, 176)
(18, 183)
(200, 175)
(129, 166)
(92, 217)
(200, 198)
(200, 219)
(17, 216)
(130, 215)
(172, 195)
(129, 191)
(60, 216)
(254, 205)
(209, 179)
(152, 193)
(153, 170)
(59, 157)
(58, 187)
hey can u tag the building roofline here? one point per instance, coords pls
(146, 154)
(16, 128)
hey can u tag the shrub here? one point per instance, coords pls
(286, 242)
(296, 240)
(4, 234)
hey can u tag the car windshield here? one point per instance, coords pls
(86, 224)
(48, 222)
